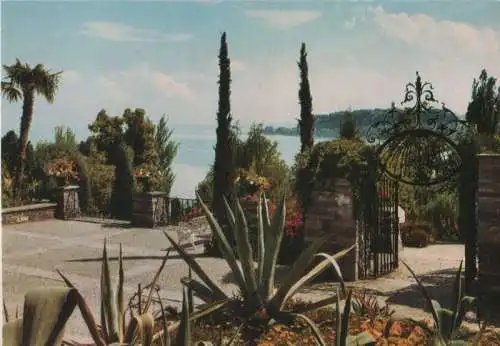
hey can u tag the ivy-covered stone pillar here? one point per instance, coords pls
(68, 206)
(331, 211)
(489, 231)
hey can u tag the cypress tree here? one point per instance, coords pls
(223, 164)
(123, 188)
(306, 121)
(348, 128)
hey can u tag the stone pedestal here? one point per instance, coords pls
(489, 230)
(149, 209)
(331, 211)
(67, 202)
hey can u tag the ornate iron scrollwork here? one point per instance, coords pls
(417, 143)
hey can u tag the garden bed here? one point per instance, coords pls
(28, 213)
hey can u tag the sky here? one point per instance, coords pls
(162, 56)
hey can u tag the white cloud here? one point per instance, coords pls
(114, 31)
(171, 87)
(284, 19)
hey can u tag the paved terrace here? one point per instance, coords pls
(32, 252)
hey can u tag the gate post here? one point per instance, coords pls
(489, 231)
(331, 211)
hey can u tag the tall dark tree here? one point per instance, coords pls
(348, 128)
(306, 121)
(23, 82)
(223, 164)
(484, 107)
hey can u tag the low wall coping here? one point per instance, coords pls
(28, 207)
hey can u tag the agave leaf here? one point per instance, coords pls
(12, 332)
(219, 294)
(107, 298)
(245, 252)
(155, 280)
(466, 304)
(184, 333)
(344, 332)
(338, 322)
(323, 303)
(119, 297)
(273, 242)
(65, 279)
(223, 244)
(199, 289)
(446, 321)
(315, 330)
(131, 329)
(265, 214)
(295, 274)
(457, 302)
(5, 312)
(426, 295)
(46, 311)
(318, 269)
(261, 249)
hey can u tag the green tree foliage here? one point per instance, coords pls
(10, 151)
(259, 155)
(306, 121)
(348, 128)
(167, 150)
(23, 82)
(107, 132)
(223, 163)
(484, 107)
(140, 136)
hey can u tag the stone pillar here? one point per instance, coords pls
(149, 209)
(331, 211)
(488, 198)
(67, 202)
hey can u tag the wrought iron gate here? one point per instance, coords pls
(415, 145)
(378, 225)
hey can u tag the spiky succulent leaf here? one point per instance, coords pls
(219, 294)
(260, 239)
(273, 243)
(338, 323)
(245, 252)
(300, 265)
(12, 332)
(344, 333)
(120, 297)
(314, 328)
(457, 300)
(318, 269)
(222, 242)
(184, 334)
(108, 298)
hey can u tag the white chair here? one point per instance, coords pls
(186, 234)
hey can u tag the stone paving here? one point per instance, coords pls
(32, 252)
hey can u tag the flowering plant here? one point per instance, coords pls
(146, 178)
(293, 225)
(247, 184)
(63, 169)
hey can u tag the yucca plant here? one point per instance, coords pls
(342, 337)
(264, 302)
(447, 322)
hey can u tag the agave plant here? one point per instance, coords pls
(264, 301)
(342, 325)
(113, 328)
(447, 322)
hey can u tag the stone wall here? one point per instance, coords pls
(28, 213)
(331, 211)
(489, 229)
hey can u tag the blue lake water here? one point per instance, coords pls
(196, 154)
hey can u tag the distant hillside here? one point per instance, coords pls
(328, 125)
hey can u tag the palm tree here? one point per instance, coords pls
(22, 82)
